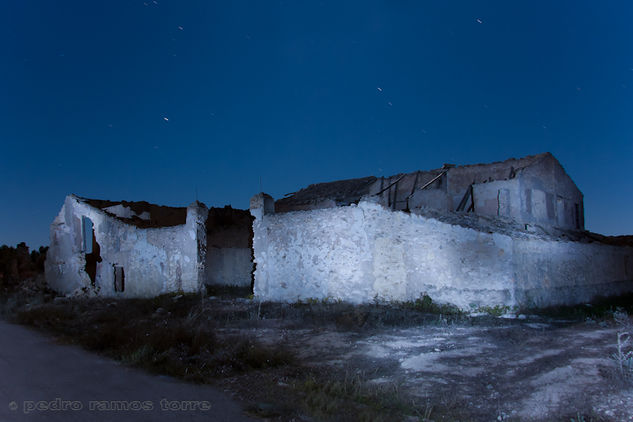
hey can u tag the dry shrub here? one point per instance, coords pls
(170, 334)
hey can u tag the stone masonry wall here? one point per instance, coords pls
(364, 252)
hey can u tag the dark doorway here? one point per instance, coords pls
(91, 248)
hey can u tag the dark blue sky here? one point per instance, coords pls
(143, 100)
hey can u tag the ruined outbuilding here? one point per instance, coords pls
(505, 234)
(530, 190)
(137, 249)
(509, 234)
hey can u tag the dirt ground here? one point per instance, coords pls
(380, 361)
(525, 367)
(531, 370)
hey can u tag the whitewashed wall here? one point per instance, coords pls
(364, 252)
(550, 272)
(155, 260)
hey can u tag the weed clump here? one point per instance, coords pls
(169, 335)
(623, 357)
(425, 304)
(495, 311)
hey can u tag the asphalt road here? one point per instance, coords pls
(41, 380)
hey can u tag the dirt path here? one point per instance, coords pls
(41, 380)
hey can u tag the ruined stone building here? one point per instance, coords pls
(509, 234)
(534, 190)
(502, 234)
(136, 249)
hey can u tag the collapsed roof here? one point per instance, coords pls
(226, 227)
(341, 191)
(141, 214)
(345, 192)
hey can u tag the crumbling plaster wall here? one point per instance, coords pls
(500, 198)
(547, 187)
(155, 260)
(566, 272)
(362, 252)
(532, 190)
(540, 193)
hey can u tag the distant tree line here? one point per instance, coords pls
(17, 264)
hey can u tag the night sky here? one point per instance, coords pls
(167, 100)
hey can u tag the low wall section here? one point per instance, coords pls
(364, 252)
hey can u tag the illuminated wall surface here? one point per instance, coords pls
(123, 259)
(363, 252)
(103, 250)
